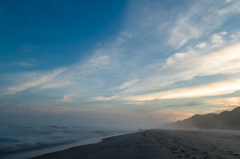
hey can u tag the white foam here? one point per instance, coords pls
(16, 137)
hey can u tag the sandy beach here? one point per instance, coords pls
(159, 144)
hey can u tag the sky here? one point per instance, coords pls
(133, 63)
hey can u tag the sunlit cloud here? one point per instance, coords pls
(217, 39)
(214, 89)
(165, 114)
(231, 101)
(202, 45)
(101, 98)
(186, 66)
(67, 98)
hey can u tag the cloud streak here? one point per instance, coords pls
(215, 89)
(38, 79)
(186, 66)
(201, 20)
(128, 84)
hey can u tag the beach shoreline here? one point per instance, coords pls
(154, 143)
(158, 143)
(54, 148)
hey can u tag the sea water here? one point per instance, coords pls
(22, 137)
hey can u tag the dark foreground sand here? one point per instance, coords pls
(159, 144)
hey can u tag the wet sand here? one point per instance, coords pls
(159, 144)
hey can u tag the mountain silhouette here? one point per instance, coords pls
(224, 120)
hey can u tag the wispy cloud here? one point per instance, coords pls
(186, 66)
(201, 20)
(112, 59)
(36, 79)
(57, 84)
(23, 63)
(214, 89)
(67, 98)
(101, 98)
(127, 84)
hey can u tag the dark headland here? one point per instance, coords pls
(220, 143)
(224, 120)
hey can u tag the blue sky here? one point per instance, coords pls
(118, 63)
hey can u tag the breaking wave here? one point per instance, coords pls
(16, 137)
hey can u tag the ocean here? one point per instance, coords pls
(15, 138)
